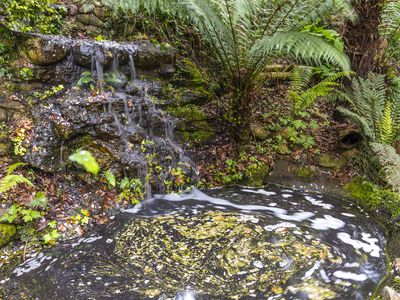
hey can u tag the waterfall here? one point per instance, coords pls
(115, 62)
(132, 67)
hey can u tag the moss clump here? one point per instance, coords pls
(374, 198)
(305, 172)
(7, 231)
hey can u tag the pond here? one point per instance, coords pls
(230, 243)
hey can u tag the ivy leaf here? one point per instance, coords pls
(85, 159)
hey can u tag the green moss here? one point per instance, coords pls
(374, 198)
(7, 231)
(305, 172)
(189, 112)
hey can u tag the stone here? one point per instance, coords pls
(89, 20)
(42, 52)
(390, 294)
(259, 132)
(329, 161)
(86, 8)
(72, 9)
(3, 115)
(7, 231)
(99, 12)
(151, 56)
(396, 266)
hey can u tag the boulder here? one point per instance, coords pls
(396, 266)
(43, 52)
(7, 231)
(72, 9)
(86, 8)
(151, 56)
(259, 132)
(390, 294)
(89, 20)
(329, 161)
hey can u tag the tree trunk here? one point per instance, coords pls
(241, 112)
(363, 42)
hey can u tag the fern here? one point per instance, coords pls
(373, 109)
(10, 181)
(390, 26)
(302, 95)
(110, 177)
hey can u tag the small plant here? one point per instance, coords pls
(87, 80)
(85, 159)
(10, 180)
(82, 217)
(26, 74)
(110, 178)
(132, 190)
(53, 235)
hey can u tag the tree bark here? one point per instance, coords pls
(363, 42)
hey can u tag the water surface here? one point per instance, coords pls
(232, 243)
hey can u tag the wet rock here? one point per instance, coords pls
(43, 52)
(327, 160)
(7, 231)
(390, 294)
(150, 56)
(89, 20)
(396, 266)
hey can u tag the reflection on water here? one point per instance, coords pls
(233, 243)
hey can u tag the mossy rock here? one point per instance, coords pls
(259, 132)
(305, 172)
(329, 161)
(7, 231)
(257, 177)
(43, 52)
(89, 20)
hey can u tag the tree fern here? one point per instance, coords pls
(10, 181)
(390, 26)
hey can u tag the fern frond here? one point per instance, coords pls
(13, 167)
(10, 181)
(386, 132)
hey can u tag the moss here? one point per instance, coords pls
(374, 198)
(7, 231)
(305, 172)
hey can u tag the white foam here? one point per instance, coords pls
(327, 222)
(348, 215)
(350, 276)
(318, 202)
(279, 225)
(369, 247)
(30, 264)
(259, 191)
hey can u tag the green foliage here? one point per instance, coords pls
(32, 15)
(54, 90)
(110, 177)
(86, 160)
(373, 109)
(87, 80)
(53, 235)
(5, 55)
(329, 35)
(390, 27)
(82, 217)
(375, 198)
(131, 190)
(39, 201)
(26, 74)
(247, 35)
(10, 181)
(302, 95)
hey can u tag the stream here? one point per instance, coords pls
(230, 243)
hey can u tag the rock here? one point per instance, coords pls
(7, 231)
(329, 161)
(86, 8)
(283, 149)
(44, 52)
(150, 56)
(89, 20)
(72, 9)
(306, 173)
(3, 115)
(99, 12)
(396, 266)
(390, 294)
(259, 132)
